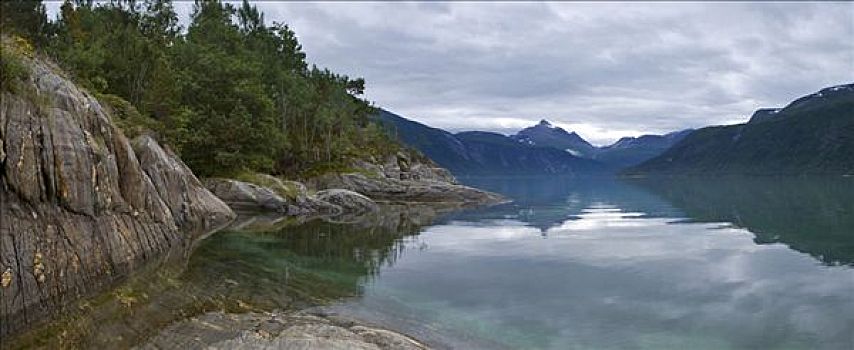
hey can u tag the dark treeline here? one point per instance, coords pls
(229, 93)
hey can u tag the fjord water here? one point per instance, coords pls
(572, 264)
(581, 264)
(733, 263)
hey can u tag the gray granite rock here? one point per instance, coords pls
(246, 196)
(401, 178)
(277, 331)
(396, 190)
(81, 208)
(349, 201)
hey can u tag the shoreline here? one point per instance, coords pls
(143, 305)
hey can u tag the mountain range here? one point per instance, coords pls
(811, 135)
(485, 153)
(629, 151)
(539, 149)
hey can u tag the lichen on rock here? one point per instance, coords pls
(6, 278)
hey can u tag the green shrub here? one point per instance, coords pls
(13, 71)
(126, 117)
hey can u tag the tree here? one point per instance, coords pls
(232, 94)
(27, 18)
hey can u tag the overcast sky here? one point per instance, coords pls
(605, 70)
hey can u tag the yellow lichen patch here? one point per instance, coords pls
(128, 297)
(241, 304)
(23, 45)
(6, 278)
(38, 267)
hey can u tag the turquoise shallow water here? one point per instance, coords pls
(729, 263)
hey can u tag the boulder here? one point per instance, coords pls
(349, 201)
(401, 166)
(246, 196)
(250, 197)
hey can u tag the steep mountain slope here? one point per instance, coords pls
(470, 153)
(493, 153)
(544, 134)
(812, 135)
(629, 151)
(437, 144)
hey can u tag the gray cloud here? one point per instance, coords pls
(603, 69)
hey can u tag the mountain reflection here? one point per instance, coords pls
(547, 202)
(810, 215)
(660, 265)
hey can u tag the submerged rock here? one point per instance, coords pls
(82, 208)
(274, 331)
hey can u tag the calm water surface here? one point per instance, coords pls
(582, 264)
(571, 264)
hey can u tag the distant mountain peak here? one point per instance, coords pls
(548, 126)
(546, 134)
(545, 123)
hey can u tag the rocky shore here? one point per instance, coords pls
(82, 206)
(165, 302)
(399, 178)
(396, 179)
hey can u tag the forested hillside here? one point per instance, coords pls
(812, 135)
(230, 93)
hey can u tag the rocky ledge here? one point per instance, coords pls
(400, 178)
(397, 179)
(267, 193)
(270, 194)
(292, 331)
